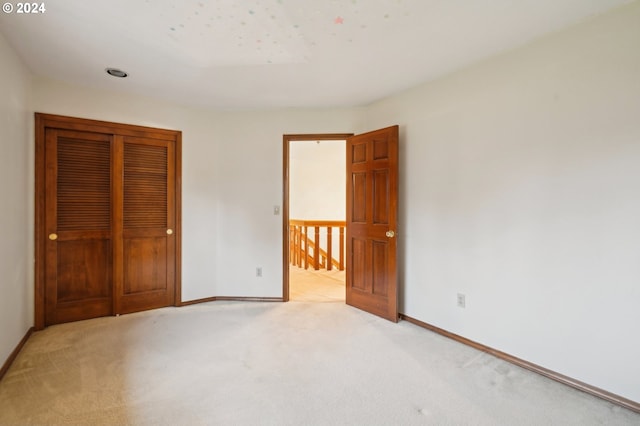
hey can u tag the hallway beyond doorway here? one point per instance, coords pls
(316, 286)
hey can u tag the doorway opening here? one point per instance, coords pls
(314, 211)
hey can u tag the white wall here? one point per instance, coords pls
(520, 187)
(250, 170)
(199, 173)
(16, 193)
(232, 178)
(317, 175)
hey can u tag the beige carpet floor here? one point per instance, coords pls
(296, 363)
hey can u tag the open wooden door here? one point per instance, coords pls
(372, 204)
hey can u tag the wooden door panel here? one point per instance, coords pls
(84, 268)
(380, 197)
(380, 148)
(145, 185)
(372, 192)
(379, 263)
(358, 152)
(359, 197)
(358, 270)
(147, 277)
(81, 310)
(78, 226)
(83, 181)
(145, 267)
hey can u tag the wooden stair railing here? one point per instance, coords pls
(305, 251)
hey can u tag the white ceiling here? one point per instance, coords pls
(252, 54)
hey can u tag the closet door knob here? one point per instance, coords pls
(169, 231)
(53, 237)
(390, 234)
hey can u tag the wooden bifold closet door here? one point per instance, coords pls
(107, 219)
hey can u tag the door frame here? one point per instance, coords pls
(286, 141)
(43, 121)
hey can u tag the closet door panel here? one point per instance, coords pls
(78, 226)
(145, 265)
(148, 203)
(107, 218)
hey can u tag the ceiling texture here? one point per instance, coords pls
(258, 54)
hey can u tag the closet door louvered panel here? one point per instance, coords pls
(145, 186)
(84, 184)
(78, 226)
(148, 203)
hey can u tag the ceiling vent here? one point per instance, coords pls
(116, 72)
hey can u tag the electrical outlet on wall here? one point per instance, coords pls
(461, 300)
(258, 271)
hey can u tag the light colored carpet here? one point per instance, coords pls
(296, 363)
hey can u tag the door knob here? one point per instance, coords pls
(390, 234)
(53, 237)
(169, 231)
